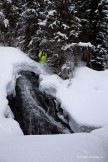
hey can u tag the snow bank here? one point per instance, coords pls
(86, 99)
(9, 127)
(83, 147)
(11, 61)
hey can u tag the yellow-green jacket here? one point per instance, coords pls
(42, 56)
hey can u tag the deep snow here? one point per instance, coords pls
(79, 147)
(11, 61)
(85, 99)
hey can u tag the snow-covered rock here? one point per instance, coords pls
(80, 44)
(86, 99)
(11, 61)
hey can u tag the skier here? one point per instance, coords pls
(42, 56)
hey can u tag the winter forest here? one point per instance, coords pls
(45, 24)
(56, 110)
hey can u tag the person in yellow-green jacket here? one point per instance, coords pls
(42, 56)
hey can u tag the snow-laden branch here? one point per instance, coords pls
(80, 44)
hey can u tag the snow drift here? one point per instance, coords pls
(83, 147)
(11, 61)
(85, 99)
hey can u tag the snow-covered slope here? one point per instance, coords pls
(79, 147)
(86, 99)
(11, 61)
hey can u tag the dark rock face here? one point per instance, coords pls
(37, 113)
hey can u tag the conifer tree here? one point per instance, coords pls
(93, 16)
(52, 25)
(100, 53)
(27, 25)
(10, 20)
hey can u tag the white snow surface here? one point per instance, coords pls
(6, 23)
(11, 61)
(80, 44)
(85, 99)
(79, 147)
(51, 13)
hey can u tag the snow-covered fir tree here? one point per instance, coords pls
(52, 25)
(27, 25)
(94, 16)
(10, 20)
(100, 53)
